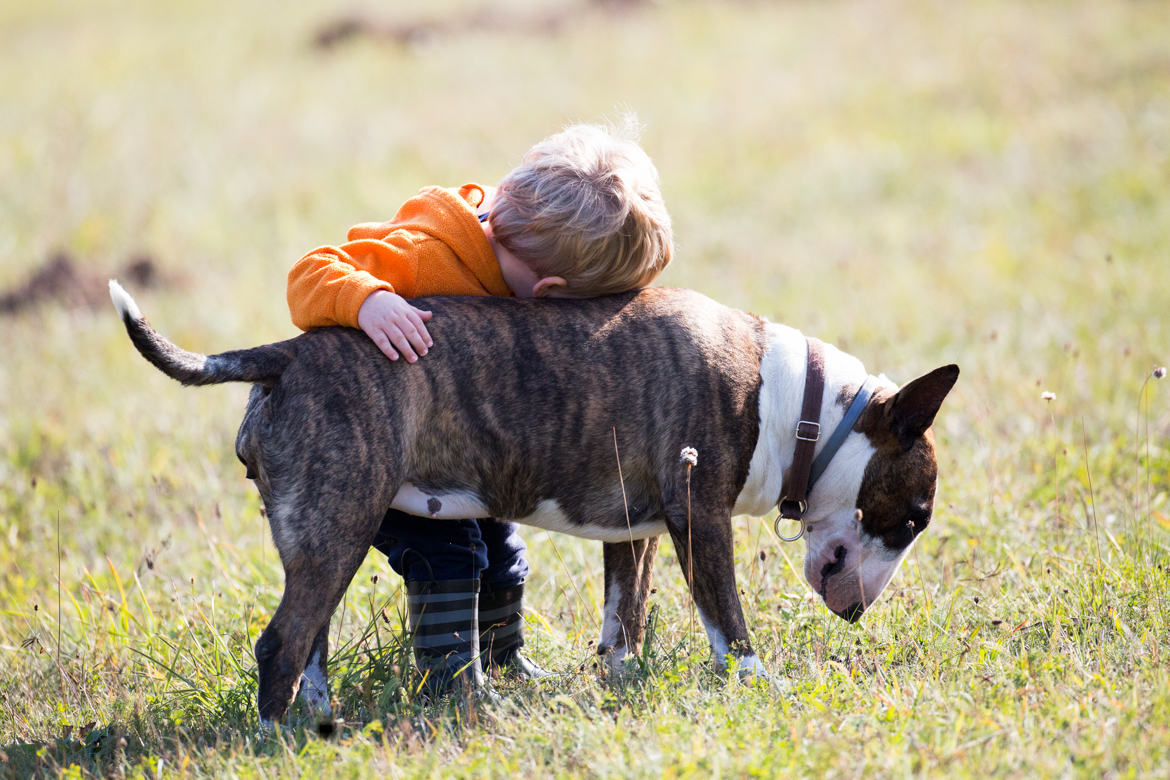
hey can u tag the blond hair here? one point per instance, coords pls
(584, 204)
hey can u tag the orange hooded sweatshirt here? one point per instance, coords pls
(433, 246)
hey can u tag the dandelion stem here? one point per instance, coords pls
(1149, 514)
(1092, 500)
(1138, 436)
(1055, 457)
(860, 581)
(690, 553)
(918, 565)
(571, 580)
(690, 457)
(59, 667)
(633, 553)
(341, 622)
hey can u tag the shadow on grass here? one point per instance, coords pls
(378, 696)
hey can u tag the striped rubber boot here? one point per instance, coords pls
(501, 626)
(444, 624)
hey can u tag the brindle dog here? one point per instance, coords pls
(514, 415)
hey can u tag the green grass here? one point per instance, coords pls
(983, 183)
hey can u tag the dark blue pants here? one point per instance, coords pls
(422, 549)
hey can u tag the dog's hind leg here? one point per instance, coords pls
(705, 552)
(629, 567)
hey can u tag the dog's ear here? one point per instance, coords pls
(913, 408)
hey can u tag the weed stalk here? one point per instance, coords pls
(1156, 373)
(60, 668)
(918, 565)
(1049, 397)
(690, 554)
(633, 553)
(860, 581)
(572, 582)
(341, 622)
(1092, 499)
(690, 457)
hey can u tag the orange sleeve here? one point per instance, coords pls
(328, 285)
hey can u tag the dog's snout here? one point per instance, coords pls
(852, 613)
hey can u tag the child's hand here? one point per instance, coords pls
(392, 322)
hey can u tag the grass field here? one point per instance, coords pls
(985, 183)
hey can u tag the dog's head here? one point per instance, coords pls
(876, 496)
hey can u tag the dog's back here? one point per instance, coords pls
(520, 402)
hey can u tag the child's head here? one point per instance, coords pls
(584, 205)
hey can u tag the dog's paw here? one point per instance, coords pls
(750, 671)
(313, 694)
(268, 729)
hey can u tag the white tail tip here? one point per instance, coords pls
(123, 302)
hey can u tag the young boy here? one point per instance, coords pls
(581, 216)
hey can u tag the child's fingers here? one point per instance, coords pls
(413, 337)
(417, 322)
(383, 341)
(398, 339)
(424, 315)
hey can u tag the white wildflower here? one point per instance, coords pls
(689, 455)
(1159, 372)
(1048, 395)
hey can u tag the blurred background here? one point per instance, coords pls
(804, 147)
(919, 182)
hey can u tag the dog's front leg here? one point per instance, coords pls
(314, 690)
(629, 567)
(317, 571)
(705, 552)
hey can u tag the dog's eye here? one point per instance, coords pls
(918, 518)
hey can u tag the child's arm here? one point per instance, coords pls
(332, 286)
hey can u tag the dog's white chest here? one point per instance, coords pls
(782, 377)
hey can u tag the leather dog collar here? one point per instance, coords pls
(805, 470)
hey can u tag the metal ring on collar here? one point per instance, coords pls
(782, 537)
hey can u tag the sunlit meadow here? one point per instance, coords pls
(983, 183)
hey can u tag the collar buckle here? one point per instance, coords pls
(815, 433)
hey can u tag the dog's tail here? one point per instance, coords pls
(262, 365)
